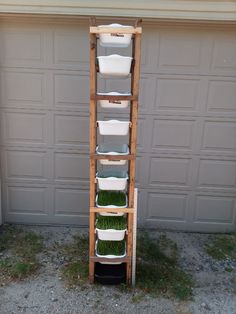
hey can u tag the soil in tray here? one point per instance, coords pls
(116, 248)
(106, 198)
(110, 274)
(106, 222)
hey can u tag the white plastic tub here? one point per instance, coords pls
(110, 234)
(117, 39)
(113, 127)
(119, 104)
(112, 180)
(109, 256)
(110, 149)
(117, 214)
(111, 206)
(114, 65)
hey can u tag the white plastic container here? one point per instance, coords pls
(112, 180)
(117, 214)
(119, 104)
(114, 66)
(109, 256)
(115, 40)
(110, 234)
(110, 149)
(113, 127)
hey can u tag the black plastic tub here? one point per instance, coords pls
(107, 274)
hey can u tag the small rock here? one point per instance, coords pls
(54, 299)
(26, 295)
(205, 306)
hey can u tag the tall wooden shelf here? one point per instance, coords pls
(136, 32)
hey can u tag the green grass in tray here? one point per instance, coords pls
(106, 198)
(111, 247)
(109, 222)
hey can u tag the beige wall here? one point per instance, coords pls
(214, 10)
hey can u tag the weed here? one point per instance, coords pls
(75, 271)
(17, 269)
(106, 198)
(222, 246)
(22, 247)
(106, 222)
(158, 271)
(137, 298)
(111, 247)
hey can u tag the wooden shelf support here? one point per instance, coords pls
(136, 31)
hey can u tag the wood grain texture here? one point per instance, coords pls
(111, 210)
(114, 30)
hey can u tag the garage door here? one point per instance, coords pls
(186, 170)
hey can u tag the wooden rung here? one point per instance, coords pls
(126, 259)
(113, 97)
(113, 157)
(111, 210)
(114, 30)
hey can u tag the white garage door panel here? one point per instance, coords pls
(71, 167)
(27, 199)
(169, 171)
(23, 87)
(26, 165)
(186, 165)
(166, 202)
(71, 89)
(214, 209)
(16, 126)
(67, 202)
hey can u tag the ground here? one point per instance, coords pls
(45, 290)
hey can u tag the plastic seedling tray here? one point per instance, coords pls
(111, 228)
(111, 206)
(119, 104)
(111, 234)
(110, 256)
(113, 127)
(118, 40)
(112, 180)
(110, 149)
(114, 65)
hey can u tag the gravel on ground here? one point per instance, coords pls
(46, 292)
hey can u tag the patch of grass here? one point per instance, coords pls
(111, 247)
(15, 269)
(21, 247)
(158, 272)
(222, 246)
(106, 198)
(137, 298)
(75, 270)
(107, 222)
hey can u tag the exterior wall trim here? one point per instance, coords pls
(208, 10)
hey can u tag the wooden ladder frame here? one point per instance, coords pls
(135, 74)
